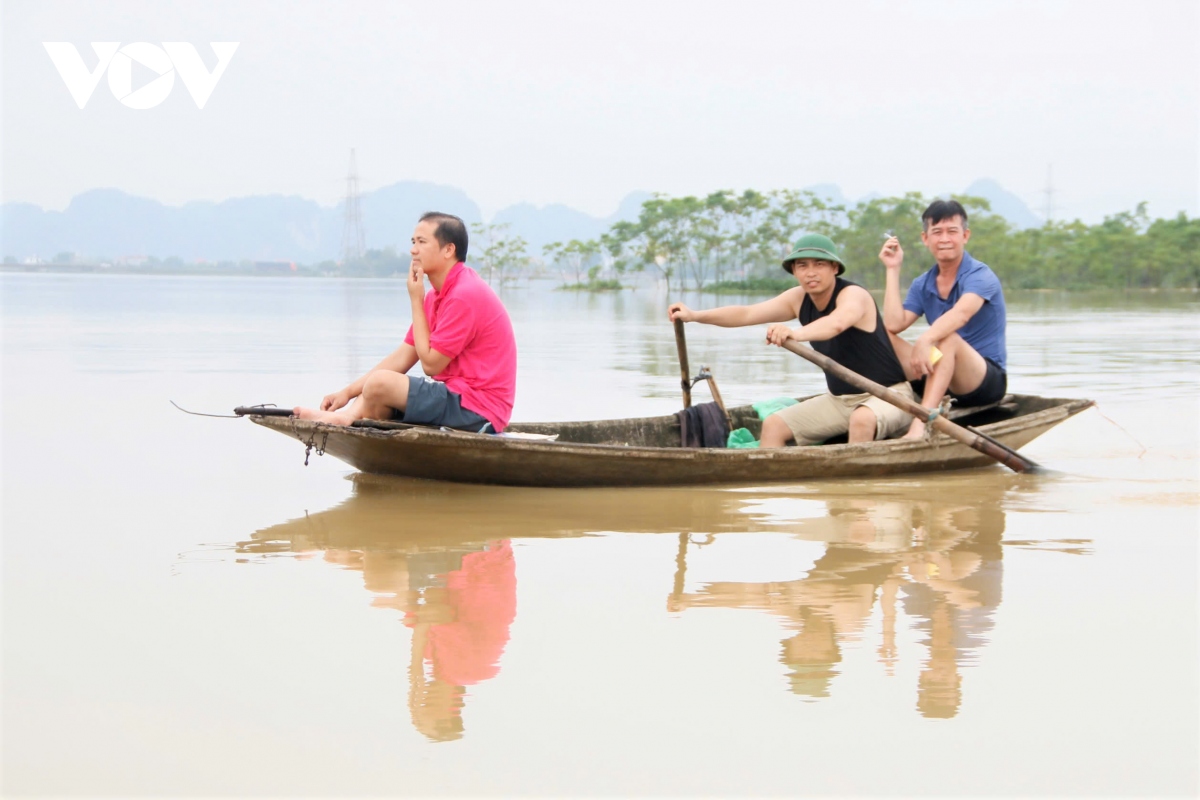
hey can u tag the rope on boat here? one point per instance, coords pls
(943, 409)
(311, 444)
(244, 409)
(1122, 430)
(199, 414)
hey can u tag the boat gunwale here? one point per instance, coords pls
(306, 431)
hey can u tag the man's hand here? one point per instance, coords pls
(680, 311)
(416, 284)
(778, 334)
(921, 359)
(892, 254)
(332, 402)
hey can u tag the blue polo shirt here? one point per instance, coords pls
(985, 330)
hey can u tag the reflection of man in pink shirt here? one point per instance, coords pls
(461, 630)
(460, 334)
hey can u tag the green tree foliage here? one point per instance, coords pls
(726, 242)
(730, 242)
(576, 258)
(719, 238)
(503, 256)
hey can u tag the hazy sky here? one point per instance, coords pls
(581, 103)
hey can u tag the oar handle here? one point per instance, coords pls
(984, 444)
(686, 381)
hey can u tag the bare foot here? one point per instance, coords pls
(915, 431)
(330, 417)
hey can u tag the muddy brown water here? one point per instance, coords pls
(187, 609)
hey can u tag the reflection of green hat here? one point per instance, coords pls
(814, 245)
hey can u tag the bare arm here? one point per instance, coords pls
(405, 356)
(399, 360)
(966, 307)
(948, 323)
(432, 362)
(853, 306)
(896, 317)
(783, 308)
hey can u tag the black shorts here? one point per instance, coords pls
(991, 390)
(431, 403)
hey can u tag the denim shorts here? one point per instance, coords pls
(431, 403)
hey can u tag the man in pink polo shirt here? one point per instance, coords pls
(460, 334)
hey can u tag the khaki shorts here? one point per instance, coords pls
(822, 417)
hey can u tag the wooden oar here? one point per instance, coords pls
(681, 346)
(686, 382)
(974, 439)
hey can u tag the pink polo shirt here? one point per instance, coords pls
(468, 323)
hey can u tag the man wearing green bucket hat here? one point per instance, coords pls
(841, 320)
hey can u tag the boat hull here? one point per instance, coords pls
(476, 458)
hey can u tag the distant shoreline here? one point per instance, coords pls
(725, 288)
(102, 269)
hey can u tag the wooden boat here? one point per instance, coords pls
(646, 451)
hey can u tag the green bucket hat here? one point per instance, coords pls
(814, 245)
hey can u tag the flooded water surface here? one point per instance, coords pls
(190, 610)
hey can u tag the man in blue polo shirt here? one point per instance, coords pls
(964, 350)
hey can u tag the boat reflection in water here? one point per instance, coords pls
(440, 554)
(936, 557)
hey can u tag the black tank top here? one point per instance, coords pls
(869, 354)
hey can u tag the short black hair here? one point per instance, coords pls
(940, 210)
(448, 229)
